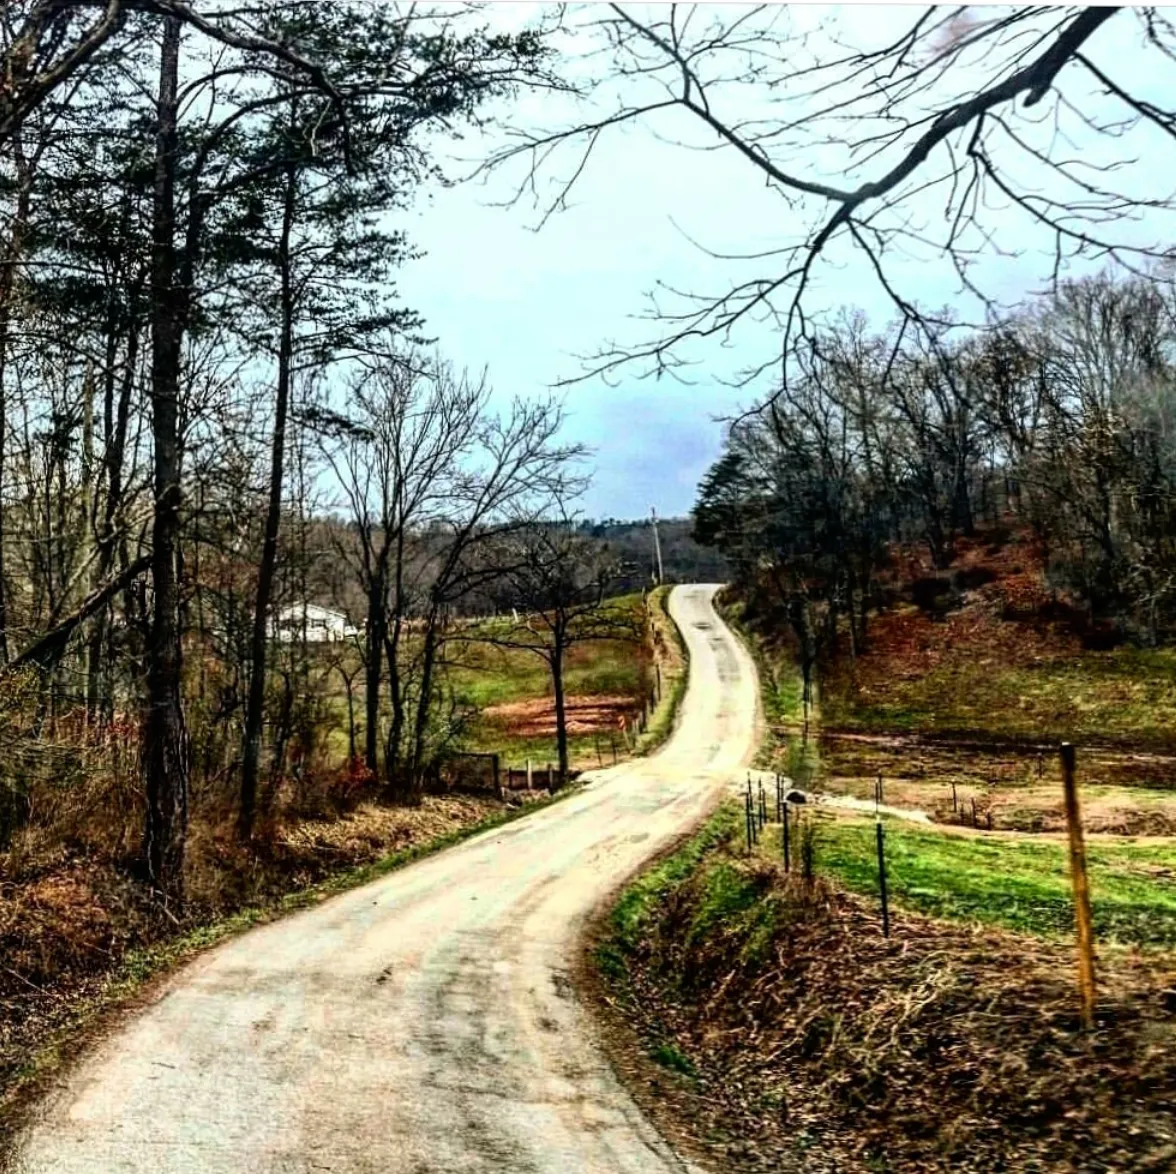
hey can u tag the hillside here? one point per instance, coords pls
(773, 1020)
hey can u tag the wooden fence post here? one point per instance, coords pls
(497, 778)
(1081, 885)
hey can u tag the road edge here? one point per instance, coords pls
(136, 986)
(610, 1030)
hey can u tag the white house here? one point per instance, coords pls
(321, 623)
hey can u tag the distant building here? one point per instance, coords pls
(321, 624)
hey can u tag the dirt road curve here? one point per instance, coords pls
(423, 1023)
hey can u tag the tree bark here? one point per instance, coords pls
(561, 711)
(165, 741)
(395, 744)
(376, 637)
(255, 703)
(421, 724)
(11, 260)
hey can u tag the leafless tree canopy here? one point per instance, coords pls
(956, 129)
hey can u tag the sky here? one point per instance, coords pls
(523, 304)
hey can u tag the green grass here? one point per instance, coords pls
(483, 675)
(665, 715)
(1123, 695)
(669, 1055)
(1022, 885)
(636, 908)
(728, 899)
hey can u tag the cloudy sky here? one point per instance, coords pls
(524, 304)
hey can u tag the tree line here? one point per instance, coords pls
(1059, 419)
(203, 347)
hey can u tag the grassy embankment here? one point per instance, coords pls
(791, 1034)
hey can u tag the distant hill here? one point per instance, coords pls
(683, 559)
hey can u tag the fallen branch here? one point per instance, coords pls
(48, 650)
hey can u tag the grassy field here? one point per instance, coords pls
(501, 694)
(511, 689)
(1005, 681)
(485, 677)
(1020, 883)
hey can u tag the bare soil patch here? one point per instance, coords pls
(535, 717)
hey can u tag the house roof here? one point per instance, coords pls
(311, 611)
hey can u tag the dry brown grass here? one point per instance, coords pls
(944, 1047)
(73, 911)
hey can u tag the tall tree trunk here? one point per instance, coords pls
(394, 742)
(561, 709)
(255, 703)
(8, 267)
(352, 748)
(394, 747)
(377, 626)
(165, 742)
(424, 703)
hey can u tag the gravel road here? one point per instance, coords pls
(425, 1022)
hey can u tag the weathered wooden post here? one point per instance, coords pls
(1081, 885)
(497, 778)
(529, 776)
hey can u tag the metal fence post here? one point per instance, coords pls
(882, 875)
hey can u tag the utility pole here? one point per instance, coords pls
(656, 543)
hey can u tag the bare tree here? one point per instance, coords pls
(559, 582)
(410, 423)
(905, 146)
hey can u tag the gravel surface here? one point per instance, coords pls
(424, 1023)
